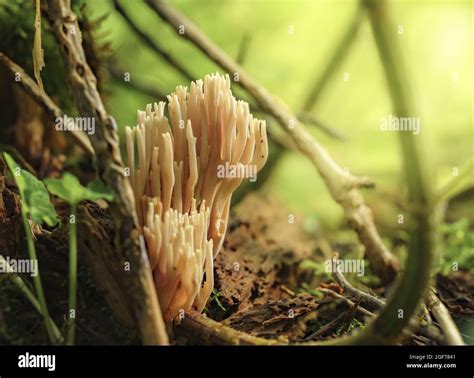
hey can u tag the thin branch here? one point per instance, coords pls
(137, 281)
(337, 57)
(137, 85)
(30, 86)
(352, 291)
(243, 48)
(309, 118)
(342, 186)
(198, 328)
(349, 317)
(325, 329)
(466, 170)
(152, 44)
(18, 158)
(445, 321)
(378, 304)
(334, 294)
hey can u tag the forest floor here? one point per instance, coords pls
(269, 281)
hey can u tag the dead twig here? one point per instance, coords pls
(360, 309)
(287, 290)
(137, 85)
(18, 157)
(349, 316)
(445, 321)
(243, 48)
(337, 57)
(310, 119)
(196, 327)
(352, 291)
(378, 304)
(325, 329)
(154, 46)
(42, 99)
(137, 281)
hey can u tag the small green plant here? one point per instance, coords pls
(69, 189)
(318, 268)
(35, 205)
(458, 249)
(215, 296)
(305, 288)
(354, 325)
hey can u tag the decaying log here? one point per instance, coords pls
(258, 261)
(261, 252)
(97, 226)
(286, 318)
(137, 283)
(10, 217)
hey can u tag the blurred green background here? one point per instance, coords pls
(436, 42)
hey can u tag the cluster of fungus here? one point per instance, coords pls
(182, 201)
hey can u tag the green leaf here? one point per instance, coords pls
(34, 196)
(99, 190)
(70, 189)
(67, 188)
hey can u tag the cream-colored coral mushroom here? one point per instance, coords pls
(187, 169)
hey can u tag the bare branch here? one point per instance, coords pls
(198, 328)
(445, 321)
(137, 283)
(135, 84)
(243, 48)
(309, 118)
(352, 291)
(152, 44)
(325, 329)
(30, 86)
(340, 52)
(452, 186)
(332, 293)
(378, 304)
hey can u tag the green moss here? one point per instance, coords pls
(458, 250)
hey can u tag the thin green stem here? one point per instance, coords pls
(72, 276)
(422, 241)
(37, 281)
(18, 281)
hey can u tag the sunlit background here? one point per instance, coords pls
(289, 45)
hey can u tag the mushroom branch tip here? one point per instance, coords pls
(184, 167)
